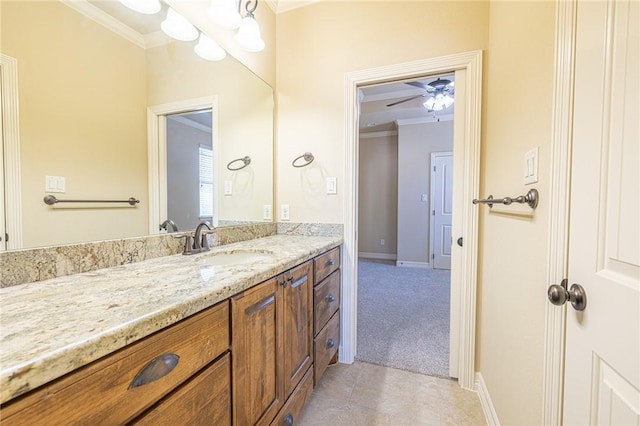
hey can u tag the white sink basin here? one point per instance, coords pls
(235, 257)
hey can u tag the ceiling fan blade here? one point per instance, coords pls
(407, 100)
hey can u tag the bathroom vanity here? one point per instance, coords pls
(237, 336)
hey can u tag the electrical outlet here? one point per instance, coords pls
(284, 212)
(382, 242)
(267, 212)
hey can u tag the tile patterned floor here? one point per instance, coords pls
(368, 394)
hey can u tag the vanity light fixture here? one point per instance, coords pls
(208, 49)
(178, 27)
(148, 7)
(227, 15)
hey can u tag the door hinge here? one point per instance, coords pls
(434, 168)
(433, 256)
(433, 212)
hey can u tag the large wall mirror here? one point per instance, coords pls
(98, 101)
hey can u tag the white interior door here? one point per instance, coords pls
(441, 209)
(602, 365)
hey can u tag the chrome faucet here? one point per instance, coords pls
(198, 242)
(169, 223)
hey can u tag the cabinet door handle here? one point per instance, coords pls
(330, 343)
(331, 262)
(156, 369)
(288, 421)
(331, 298)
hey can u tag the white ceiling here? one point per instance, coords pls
(376, 116)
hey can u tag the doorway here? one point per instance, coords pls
(404, 187)
(157, 150)
(467, 67)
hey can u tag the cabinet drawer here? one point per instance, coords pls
(104, 392)
(203, 400)
(326, 299)
(326, 345)
(325, 264)
(289, 414)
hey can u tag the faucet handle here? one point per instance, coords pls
(188, 244)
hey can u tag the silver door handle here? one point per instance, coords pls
(558, 295)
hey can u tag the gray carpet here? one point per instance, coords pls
(403, 317)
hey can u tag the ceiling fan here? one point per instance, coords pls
(440, 94)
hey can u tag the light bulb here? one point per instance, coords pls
(224, 13)
(248, 36)
(208, 49)
(178, 27)
(148, 7)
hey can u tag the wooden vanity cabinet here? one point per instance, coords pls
(119, 387)
(272, 345)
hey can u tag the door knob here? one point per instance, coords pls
(558, 295)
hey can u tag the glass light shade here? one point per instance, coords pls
(438, 102)
(448, 101)
(148, 7)
(225, 14)
(177, 26)
(429, 103)
(248, 36)
(208, 49)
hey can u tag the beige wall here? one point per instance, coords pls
(416, 143)
(82, 117)
(512, 276)
(317, 45)
(378, 195)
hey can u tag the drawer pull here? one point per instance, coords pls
(330, 343)
(299, 282)
(331, 298)
(331, 262)
(156, 369)
(288, 421)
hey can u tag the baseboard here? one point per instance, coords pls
(409, 264)
(485, 401)
(381, 256)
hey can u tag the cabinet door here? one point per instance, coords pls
(298, 333)
(258, 393)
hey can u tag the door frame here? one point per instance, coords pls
(11, 191)
(432, 196)
(471, 63)
(157, 151)
(559, 196)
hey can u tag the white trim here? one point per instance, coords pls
(157, 156)
(470, 110)
(193, 124)
(410, 264)
(558, 232)
(490, 414)
(157, 38)
(424, 120)
(380, 256)
(383, 134)
(10, 136)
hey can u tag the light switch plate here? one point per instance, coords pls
(332, 185)
(284, 212)
(531, 166)
(55, 184)
(228, 187)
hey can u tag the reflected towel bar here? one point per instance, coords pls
(531, 198)
(51, 200)
(245, 160)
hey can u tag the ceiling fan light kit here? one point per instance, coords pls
(440, 91)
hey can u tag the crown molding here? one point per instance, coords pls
(424, 120)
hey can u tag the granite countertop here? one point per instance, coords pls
(50, 328)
